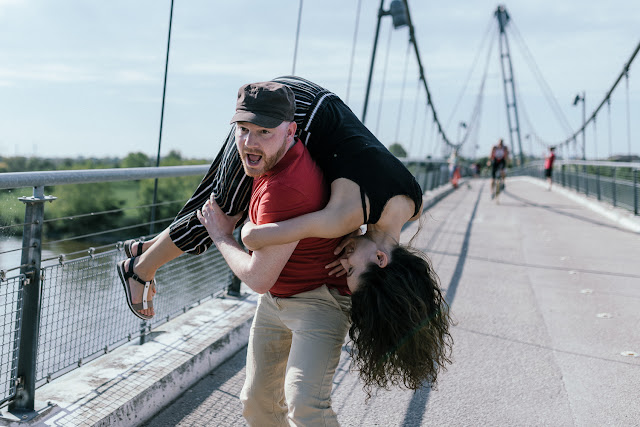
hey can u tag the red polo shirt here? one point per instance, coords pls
(293, 187)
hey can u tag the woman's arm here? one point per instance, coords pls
(327, 223)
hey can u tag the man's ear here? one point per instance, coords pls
(382, 259)
(291, 130)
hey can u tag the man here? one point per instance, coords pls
(498, 162)
(548, 165)
(303, 314)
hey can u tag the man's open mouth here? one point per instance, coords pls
(253, 159)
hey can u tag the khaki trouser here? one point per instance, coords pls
(294, 349)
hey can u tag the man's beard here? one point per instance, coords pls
(267, 162)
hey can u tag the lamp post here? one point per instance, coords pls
(580, 98)
(528, 138)
(398, 13)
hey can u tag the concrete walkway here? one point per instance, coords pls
(545, 294)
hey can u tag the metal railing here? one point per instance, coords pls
(617, 183)
(57, 317)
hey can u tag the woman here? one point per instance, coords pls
(400, 320)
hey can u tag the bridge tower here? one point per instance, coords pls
(509, 86)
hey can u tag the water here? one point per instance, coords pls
(12, 259)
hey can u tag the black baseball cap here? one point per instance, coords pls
(266, 104)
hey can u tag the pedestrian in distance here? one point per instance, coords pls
(548, 166)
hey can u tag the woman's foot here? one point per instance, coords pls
(139, 290)
(133, 248)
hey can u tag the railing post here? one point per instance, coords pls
(635, 191)
(562, 168)
(29, 308)
(613, 196)
(598, 182)
(586, 180)
(234, 288)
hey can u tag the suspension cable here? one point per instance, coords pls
(353, 51)
(404, 83)
(546, 90)
(471, 70)
(595, 139)
(609, 121)
(423, 77)
(416, 106)
(384, 80)
(626, 74)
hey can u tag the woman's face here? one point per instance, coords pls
(356, 256)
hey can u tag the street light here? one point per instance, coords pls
(580, 98)
(398, 13)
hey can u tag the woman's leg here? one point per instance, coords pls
(231, 189)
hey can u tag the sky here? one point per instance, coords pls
(85, 77)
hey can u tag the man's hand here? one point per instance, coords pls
(218, 224)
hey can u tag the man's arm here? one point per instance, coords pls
(258, 270)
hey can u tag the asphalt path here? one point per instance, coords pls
(546, 298)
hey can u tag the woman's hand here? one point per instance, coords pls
(337, 268)
(247, 236)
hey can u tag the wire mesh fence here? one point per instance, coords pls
(618, 185)
(82, 310)
(10, 303)
(84, 313)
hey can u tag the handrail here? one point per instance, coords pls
(86, 176)
(632, 165)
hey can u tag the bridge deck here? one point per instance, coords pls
(546, 298)
(527, 280)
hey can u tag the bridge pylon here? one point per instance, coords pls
(509, 85)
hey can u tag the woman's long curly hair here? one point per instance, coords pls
(400, 323)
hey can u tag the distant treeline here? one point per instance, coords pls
(111, 205)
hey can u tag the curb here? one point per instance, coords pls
(134, 382)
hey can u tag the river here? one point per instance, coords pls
(9, 260)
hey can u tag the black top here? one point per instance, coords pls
(344, 148)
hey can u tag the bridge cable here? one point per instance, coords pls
(471, 70)
(404, 84)
(416, 106)
(422, 75)
(353, 51)
(548, 93)
(595, 139)
(384, 80)
(609, 126)
(624, 72)
(477, 109)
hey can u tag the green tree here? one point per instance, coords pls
(136, 160)
(398, 150)
(76, 200)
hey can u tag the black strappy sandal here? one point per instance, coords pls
(128, 245)
(125, 275)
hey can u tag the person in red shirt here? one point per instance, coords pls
(303, 314)
(548, 165)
